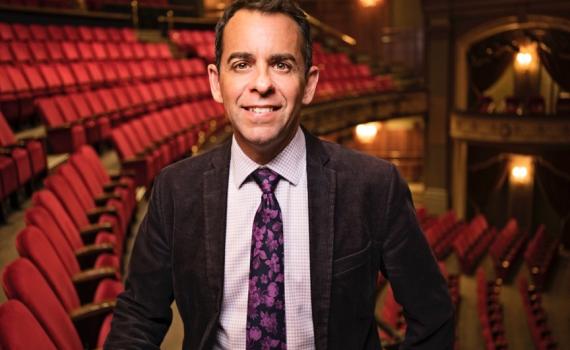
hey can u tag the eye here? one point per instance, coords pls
(282, 66)
(239, 66)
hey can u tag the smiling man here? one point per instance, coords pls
(274, 239)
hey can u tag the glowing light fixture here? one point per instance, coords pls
(522, 169)
(366, 133)
(369, 3)
(524, 58)
(520, 173)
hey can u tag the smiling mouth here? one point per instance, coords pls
(262, 110)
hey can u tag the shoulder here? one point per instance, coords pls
(189, 170)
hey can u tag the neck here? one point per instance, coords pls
(263, 154)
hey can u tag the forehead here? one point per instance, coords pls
(259, 33)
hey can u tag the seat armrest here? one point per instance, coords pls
(123, 173)
(96, 212)
(89, 232)
(112, 185)
(103, 198)
(88, 320)
(86, 282)
(87, 255)
(59, 127)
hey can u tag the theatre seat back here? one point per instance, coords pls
(32, 244)
(20, 330)
(23, 282)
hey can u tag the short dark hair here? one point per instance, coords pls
(287, 7)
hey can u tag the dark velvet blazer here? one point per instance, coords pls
(361, 220)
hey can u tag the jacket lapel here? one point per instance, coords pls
(321, 197)
(215, 193)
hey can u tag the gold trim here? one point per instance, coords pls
(504, 129)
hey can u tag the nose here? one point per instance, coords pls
(262, 82)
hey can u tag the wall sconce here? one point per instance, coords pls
(522, 170)
(526, 58)
(369, 3)
(519, 173)
(366, 133)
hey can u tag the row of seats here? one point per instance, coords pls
(195, 42)
(490, 311)
(38, 60)
(62, 288)
(506, 247)
(147, 144)
(441, 233)
(22, 162)
(186, 39)
(56, 32)
(70, 51)
(87, 117)
(539, 255)
(51, 78)
(472, 243)
(21, 84)
(339, 77)
(536, 317)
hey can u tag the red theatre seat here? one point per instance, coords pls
(141, 165)
(88, 286)
(23, 282)
(20, 330)
(21, 32)
(59, 186)
(63, 137)
(94, 205)
(39, 32)
(34, 147)
(8, 178)
(98, 180)
(77, 237)
(69, 247)
(6, 33)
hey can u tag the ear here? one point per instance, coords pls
(311, 85)
(214, 78)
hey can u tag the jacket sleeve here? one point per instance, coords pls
(414, 275)
(143, 315)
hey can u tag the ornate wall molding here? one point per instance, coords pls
(506, 129)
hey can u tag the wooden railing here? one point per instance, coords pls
(507, 128)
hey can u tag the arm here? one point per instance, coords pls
(143, 315)
(418, 285)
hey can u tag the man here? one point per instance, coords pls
(297, 270)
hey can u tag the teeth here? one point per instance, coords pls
(260, 109)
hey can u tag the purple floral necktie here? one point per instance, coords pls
(266, 297)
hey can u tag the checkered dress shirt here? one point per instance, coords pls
(244, 196)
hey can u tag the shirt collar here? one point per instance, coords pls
(289, 163)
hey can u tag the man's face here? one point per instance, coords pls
(262, 81)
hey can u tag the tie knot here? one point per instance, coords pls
(266, 179)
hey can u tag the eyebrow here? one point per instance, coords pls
(282, 57)
(241, 55)
(273, 58)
